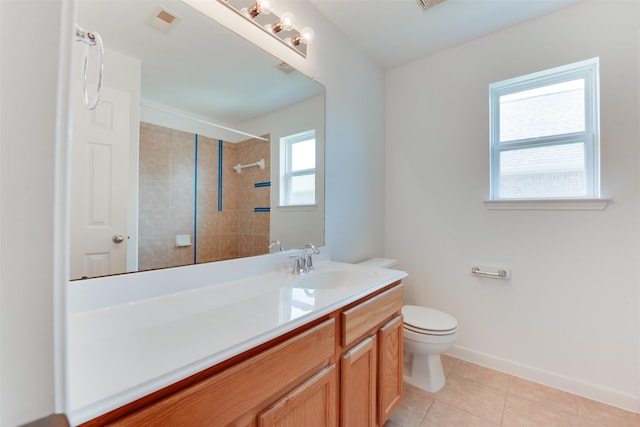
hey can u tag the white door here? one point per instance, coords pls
(99, 178)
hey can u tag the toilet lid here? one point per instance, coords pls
(428, 319)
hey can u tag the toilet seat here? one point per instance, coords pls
(428, 321)
(429, 332)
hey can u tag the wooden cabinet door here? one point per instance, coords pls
(312, 404)
(389, 368)
(358, 385)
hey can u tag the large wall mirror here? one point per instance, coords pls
(187, 157)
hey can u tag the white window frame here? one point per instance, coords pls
(587, 70)
(286, 144)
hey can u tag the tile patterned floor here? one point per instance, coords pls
(475, 396)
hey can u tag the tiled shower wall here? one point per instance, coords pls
(166, 196)
(168, 202)
(215, 230)
(253, 224)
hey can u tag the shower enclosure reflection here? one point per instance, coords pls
(194, 207)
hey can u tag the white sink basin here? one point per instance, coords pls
(332, 279)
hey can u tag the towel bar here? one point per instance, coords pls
(502, 274)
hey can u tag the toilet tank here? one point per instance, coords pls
(380, 262)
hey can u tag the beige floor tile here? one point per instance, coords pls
(480, 374)
(520, 412)
(594, 413)
(538, 393)
(412, 408)
(448, 363)
(472, 397)
(476, 396)
(443, 415)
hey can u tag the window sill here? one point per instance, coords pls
(548, 204)
(298, 208)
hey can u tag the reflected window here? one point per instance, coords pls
(298, 169)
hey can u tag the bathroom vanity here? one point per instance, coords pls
(266, 349)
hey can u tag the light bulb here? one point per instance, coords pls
(265, 6)
(307, 35)
(260, 7)
(286, 23)
(286, 20)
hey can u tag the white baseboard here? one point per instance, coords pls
(571, 385)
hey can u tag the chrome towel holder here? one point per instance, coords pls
(498, 273)
(91, 39)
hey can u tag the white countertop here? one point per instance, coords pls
(126, 349)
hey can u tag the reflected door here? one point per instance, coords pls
(99, 165)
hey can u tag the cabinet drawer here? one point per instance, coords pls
(360, 319)
(222, 398)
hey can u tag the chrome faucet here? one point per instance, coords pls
(304, 263)
(275, 244)
(298, 265)
(307, 256)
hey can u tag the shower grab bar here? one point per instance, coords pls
(91, 39)
(238, 168)
(499, 274)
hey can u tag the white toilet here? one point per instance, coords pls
(427, 334)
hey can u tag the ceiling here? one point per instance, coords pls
(395, 32)
(198, 66)
(232, 81)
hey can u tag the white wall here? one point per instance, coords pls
(569, 317)
(30, 248)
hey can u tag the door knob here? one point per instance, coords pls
(117, 238)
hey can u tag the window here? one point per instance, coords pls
(544, 134)
(298, 169)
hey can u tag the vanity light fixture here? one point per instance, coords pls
(428, 4)
(280, 26)
(284, 24)
(306, 36)
(260, 6)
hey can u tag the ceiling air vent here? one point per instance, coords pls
(428, 4)
(285, 68)
(163, 20)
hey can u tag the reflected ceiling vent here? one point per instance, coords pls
(163, 20)
(428, 4)
(285, 68)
